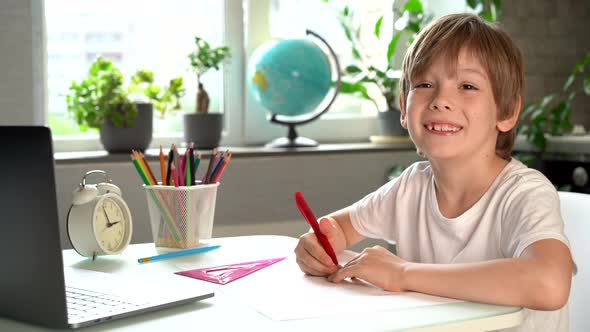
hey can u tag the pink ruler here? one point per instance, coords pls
(227, 273)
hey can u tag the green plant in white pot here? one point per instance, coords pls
(101, 101)
(202, 127)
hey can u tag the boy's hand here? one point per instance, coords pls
(311, 256)
(377, 266)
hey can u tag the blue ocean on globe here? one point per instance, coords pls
(290, 76)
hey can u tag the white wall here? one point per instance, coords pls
(22, 78)
(256, 196)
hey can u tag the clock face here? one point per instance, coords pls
(111, 225)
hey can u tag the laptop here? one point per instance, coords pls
(34, 286)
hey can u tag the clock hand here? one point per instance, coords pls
(109, 223)
(107, 215)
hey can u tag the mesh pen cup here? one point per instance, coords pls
(181, 217)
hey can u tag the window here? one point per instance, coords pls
(158, 35)
(271, 19)
(349, 118)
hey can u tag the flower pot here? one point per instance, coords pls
(390, 125)
(124, 139)
(203, 129)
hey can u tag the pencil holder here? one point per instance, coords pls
(181, 217)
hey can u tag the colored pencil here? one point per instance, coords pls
(176, 163)
(181, 169)
(191, 169)
(140, 171)
(168, 170)
(157, 197)
(162, 166)
(210, 167)
(143, 167)
(217, 165)
(147, 166)
(178, 254)
(197, 163)
(175, 176)
(222, 168)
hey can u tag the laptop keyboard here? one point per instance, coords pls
(83, 303)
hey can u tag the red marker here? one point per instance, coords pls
(312, 221)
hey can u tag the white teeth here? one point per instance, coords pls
(443, 127)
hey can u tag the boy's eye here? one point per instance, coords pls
(423, 85)
(468, 87)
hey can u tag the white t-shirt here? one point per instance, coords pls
(520, 207)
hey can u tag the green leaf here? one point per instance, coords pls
(354, 88)
(346, 11)
(413, 6)
(352, 69)
(538, 117)
(497, 8)
(527, 110)
(392, 45)
(581, 65)
(472, 3)
(378, 27)
(378, 73)
(569, 81)
(555, 118)
(356, 54)
(571, 96)
(522, 129)
(537, 138)
(487, 15)
(347, 32)
(565, 117)
(546, 100)
(414, 26)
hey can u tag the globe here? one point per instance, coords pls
(289, 77)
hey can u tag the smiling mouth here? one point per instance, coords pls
(443, 128)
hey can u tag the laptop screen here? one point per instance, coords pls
(32, 281)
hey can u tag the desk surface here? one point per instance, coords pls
(224, 312)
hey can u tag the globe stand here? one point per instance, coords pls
(293, 140)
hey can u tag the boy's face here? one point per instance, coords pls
(452, 114)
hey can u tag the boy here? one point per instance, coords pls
(470, 223)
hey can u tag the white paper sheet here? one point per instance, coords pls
(282, 292)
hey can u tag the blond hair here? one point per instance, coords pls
(490, 44)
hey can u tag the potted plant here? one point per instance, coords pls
(551, 116)
(363, 76)
(102, 102)
(201, 127)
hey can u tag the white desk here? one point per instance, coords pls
(226, 313)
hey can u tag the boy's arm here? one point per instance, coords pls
(539, 279)
(342, 218)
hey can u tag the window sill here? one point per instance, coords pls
(239, 152)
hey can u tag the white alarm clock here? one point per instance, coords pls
(99, 221)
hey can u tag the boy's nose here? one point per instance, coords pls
(438, 108)
(439, 104)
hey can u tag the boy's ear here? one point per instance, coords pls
(402, 117)
(509, 123)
